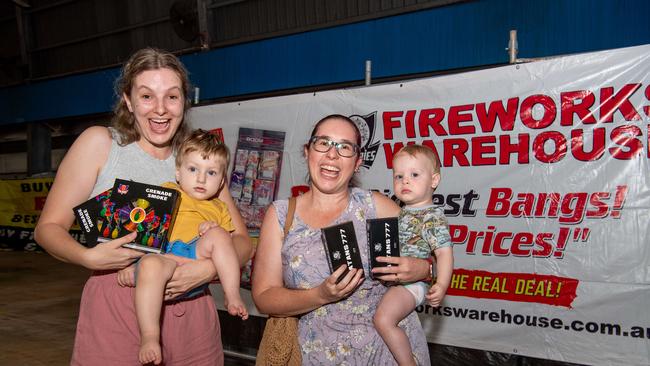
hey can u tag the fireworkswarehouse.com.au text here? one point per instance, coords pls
(505, 317)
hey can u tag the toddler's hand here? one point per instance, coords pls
(205, 226)
(126, 276)
(435, 295)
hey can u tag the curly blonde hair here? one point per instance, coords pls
(146, 59)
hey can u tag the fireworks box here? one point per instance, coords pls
(87, 215)
(383, 240)
(130, 206)
(341, 247)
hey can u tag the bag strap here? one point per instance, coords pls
(290, 212)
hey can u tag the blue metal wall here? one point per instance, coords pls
(457, 36)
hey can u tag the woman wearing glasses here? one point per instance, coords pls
(292, 276)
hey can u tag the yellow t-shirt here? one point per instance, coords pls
(192, 212)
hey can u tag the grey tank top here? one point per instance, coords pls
(130, 162)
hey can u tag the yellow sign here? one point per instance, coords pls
(21, 201)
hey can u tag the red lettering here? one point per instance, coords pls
(497, 248)
(458, 233)
(520, 242)
(390, 152)
(482, 146)
(526, 111)
(457, 116)
(391, 121)
(455, 149)
(597, 146)
(499, 202)
(409, 122)
(520, 148)
(431, 118)
(626, 138)
(524, 205)
(610, 103)
(487, 119)
(585, 100)
(573, 208)
(553, 201)
(600, 208)
(474, 236)
(559, 147)
(487, 243)
(546, 247)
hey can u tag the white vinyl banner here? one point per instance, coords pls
(545, 183)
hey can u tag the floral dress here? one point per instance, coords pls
(341, 333)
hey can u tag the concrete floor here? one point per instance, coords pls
(39, 303)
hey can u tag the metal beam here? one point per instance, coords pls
(39, 149)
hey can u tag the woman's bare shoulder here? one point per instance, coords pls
(385, 206)
(96, 136)
(95, 140)
(90, 150)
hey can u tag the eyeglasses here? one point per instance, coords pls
(324, 144)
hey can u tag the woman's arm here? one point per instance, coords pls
(75, 179)
(269, 293)
(404, 269)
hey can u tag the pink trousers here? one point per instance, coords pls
(107, 329)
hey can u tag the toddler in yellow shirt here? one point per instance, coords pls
(201, 231)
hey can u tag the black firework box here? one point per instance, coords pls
(130, 206)
(383, 240)
(87, 215)
(341, 247)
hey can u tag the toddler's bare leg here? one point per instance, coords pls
(396, 304)
(154, 271)
(216, 244)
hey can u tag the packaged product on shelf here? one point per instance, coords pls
(269, 164)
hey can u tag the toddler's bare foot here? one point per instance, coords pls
(236, 307)
(150, 352)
